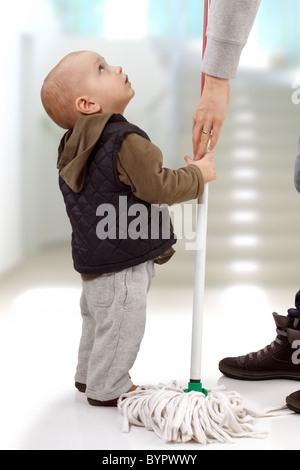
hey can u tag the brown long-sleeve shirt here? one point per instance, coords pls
(139, 164)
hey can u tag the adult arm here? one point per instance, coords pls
(297, 170)
(229, 26)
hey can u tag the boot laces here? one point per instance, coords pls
(277, 340)
(272, 345)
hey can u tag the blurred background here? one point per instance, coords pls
(253, 214)
(253, 249)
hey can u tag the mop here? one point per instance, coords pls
(181, 415)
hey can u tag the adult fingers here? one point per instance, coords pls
(202, 140)
(215, 135)
(197, 130)
(203, 145)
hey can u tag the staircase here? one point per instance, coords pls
(254, 209)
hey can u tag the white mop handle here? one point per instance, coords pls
(199, 284)
(199, 281)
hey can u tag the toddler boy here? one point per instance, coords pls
(109, 172)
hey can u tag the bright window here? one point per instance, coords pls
(131, 22)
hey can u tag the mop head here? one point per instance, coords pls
(180, 417)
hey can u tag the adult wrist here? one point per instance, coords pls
(216, 82)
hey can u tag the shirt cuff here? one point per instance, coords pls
(221, 59)
(200, 178)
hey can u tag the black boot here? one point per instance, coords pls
(293, 401)
(277, 360)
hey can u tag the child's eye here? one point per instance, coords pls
(101, 69)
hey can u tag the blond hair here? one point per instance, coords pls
(58, 94)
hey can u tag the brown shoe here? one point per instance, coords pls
(275, 361)
(113, 402)
(293, 401)
(80, 387)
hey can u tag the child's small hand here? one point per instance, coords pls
(206, 165)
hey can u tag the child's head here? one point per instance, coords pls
(81, 84)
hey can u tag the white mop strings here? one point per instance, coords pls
(176, 416)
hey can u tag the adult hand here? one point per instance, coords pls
(210, 115)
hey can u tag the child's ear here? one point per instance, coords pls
(86, 106)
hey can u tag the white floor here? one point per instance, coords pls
(39, 333)
(252, 270)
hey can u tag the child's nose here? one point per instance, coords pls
(118, 69)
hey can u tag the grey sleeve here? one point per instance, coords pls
(297, 170)
(229, 26)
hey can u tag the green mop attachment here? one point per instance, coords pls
(196, 387)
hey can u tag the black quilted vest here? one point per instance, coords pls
(118, 249)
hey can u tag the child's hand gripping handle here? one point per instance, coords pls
(206, 165)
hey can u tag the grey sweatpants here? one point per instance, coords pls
(113, 309)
